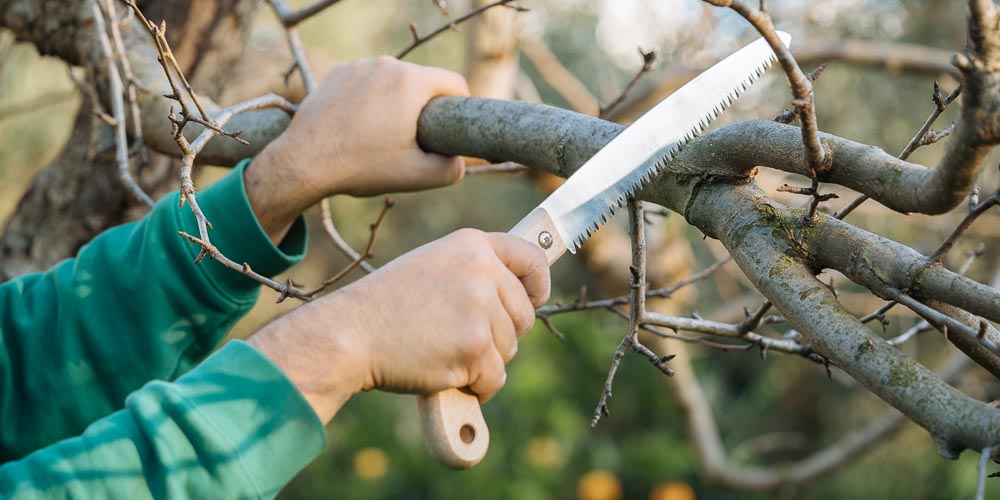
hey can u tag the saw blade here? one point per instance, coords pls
(592, 195)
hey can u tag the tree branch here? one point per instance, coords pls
(116, 94)
(292, 17)
(419, 40)
(717, 467)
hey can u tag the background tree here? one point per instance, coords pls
(807, 415)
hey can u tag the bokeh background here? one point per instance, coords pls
(769, 410)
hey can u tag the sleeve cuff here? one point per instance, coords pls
(245, 397)
(239, 236)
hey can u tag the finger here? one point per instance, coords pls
(520, 311)
(527, 262)
(432, 170)
(491, 377)
(505, 333)
(440, 81)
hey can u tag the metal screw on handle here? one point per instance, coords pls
(545, 239)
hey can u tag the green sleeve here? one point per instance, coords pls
(233, 427)
(130, 308)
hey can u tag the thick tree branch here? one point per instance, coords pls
(875, 262)
(724, 204)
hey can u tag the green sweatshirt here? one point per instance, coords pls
(87, 350)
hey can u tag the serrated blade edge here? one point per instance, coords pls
(590, 197)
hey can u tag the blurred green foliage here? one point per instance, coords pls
(542, 444)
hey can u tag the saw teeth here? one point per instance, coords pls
(643, 177)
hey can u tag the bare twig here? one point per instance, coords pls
(299, 54)
(974, 213)
(214, 127)
(552, 328)
(664, 292)
(369, 252)
(116, 92)
(290, 18)
(738, 331)
(648, 60)
(941, 321)
(940, 104)
(921, 327)
(419, 40)
(338, 241)
(801, 85)
(812, 191)
(133, 83)
(984, 460)
(636, 313)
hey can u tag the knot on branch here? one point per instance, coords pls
(826, 161)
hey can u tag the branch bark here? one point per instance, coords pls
(725, 204)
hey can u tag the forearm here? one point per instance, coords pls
(234, 427)
(278, 190)
(327, 369)
(130, 308)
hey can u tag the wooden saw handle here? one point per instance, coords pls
(452, 421)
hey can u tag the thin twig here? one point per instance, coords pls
(963, 225)
(132, 81)
(800, 83)
(369, 251)
(738, 331)
(940, 321)
(940, 104)
(917, 329)
(637, 311)
(214, 126)
(116, 92)
(326, 215)
(290, 17)
(419, 40)
(648, 60)
(664, 292)
(984, 460)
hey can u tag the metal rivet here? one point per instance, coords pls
(545, 240)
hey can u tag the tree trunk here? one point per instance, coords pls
(79, 195)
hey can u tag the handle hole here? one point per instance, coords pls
(467, 433)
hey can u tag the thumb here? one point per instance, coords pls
(527, 262)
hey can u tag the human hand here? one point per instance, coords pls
(356, 134)
(448, 314)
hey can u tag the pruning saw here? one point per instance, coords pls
(452, 421)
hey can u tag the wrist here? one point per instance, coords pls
(277, 191)
(316, 348)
